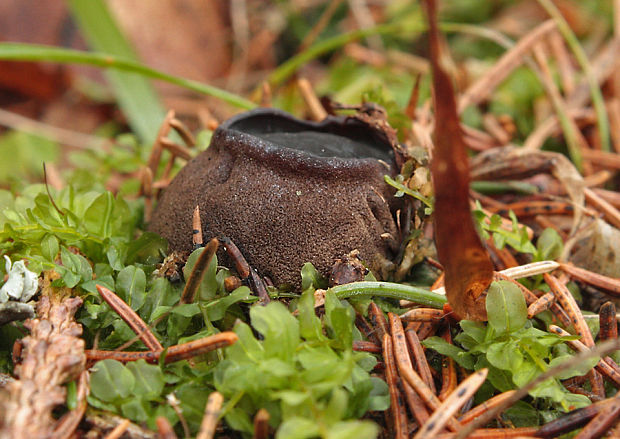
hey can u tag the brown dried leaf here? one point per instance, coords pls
(468, 268)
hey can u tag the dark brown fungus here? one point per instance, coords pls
(287, 191)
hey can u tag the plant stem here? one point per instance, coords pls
(390, 290)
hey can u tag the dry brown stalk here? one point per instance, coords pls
(423, 315)
(453, 402)
(608, 284)
(608, 323)
(399, 416)
(610, 213)
(405, 368)
(485, 85)
(483, 407)
(164, 428)
(184, 132)
(198, 273)
(173, 353)
(146, 188)
(448, 370)
(420, 359)
(155, 156)
(211, 416)
(197, 239)
(261, 424)
(543, 303)
(119, 430)
(53, 354)
(130, 317)
(495, 433)
(175, 149)
(378, 320)
(563, 61)
(313, 104)
(602, 422)
(566, 299)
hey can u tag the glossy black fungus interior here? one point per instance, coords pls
(287, 192)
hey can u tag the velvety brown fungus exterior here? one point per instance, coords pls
(281, 204)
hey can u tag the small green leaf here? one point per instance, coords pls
(50, 247)
(576, 370)
(310, 277)
(217, 308)
(353, 430)
(149, 379)
(279, 328)
(131, 286)
(111, 381)
(298, 428)
(549, 245)
(309, 324)
(506, 308)
(136, 409)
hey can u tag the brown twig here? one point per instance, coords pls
(543, 303)
(608, 323)
(261, 424)
(198, 273)
(164, 428)
(313, 104)
(211, 416)
(448, 371)
(244, 270)
(183, 131)
(485, 406)
(611, 214)
(423, 315)
(420, 359)
(119, 430)
(173, 353)
(453, 402)
(409, 374)
(130, 317)
(66, 426)
(397, 409)
(197, 239)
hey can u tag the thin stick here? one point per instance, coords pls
(566, 299)
(119, 430)
(175, 149)
(198, 273)
(183, 131)
(479, 90)
(611, 214)
(609, 284)
(211, 416)
(452, 403)
(197, 239)
(155, 157)
(409, 374)
(543, 303)
(485, 406)
(448, 370)
(164, 428)
(602, 422)
(608, 323)
(420, 359)
(317, 112)
(398, 410)
(130, 317)
(261, 424)
(173, 353)
(423, 315)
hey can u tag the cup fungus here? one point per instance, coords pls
(288, 191)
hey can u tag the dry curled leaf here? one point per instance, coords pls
(468, 268)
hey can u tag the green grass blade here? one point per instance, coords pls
(33, 52)
(134, 93)
(581, 57)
